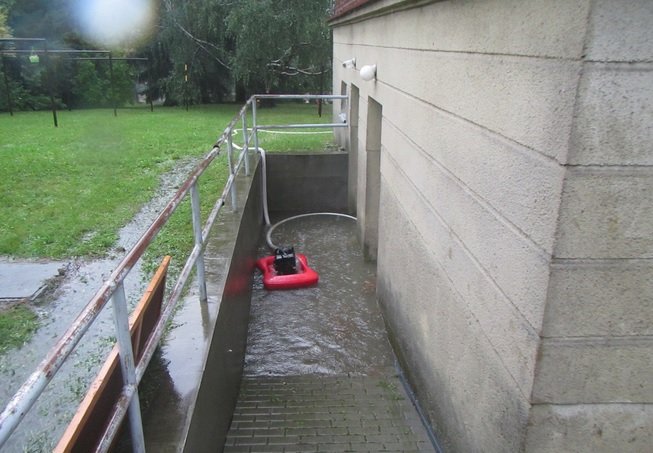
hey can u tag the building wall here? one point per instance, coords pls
(593, 386)
(514, 225)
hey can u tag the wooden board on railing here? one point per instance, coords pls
(93, 415)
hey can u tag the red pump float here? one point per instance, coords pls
(305, 276)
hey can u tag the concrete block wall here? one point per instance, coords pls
(514, 255)
(592, 387)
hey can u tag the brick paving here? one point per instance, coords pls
(315, 413)
(319, 370)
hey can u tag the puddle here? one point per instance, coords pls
(333, 328)
(45, 422)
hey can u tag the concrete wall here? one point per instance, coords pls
(231, 249)
(515, 250)
(593, 387)
(307, 182)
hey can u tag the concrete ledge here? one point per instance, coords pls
(215, 398)
(297, 182)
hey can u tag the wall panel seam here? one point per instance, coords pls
(600, 263)
(459, 240)
(462, 246)
(471, 52)
(599, 340)
(602, 403)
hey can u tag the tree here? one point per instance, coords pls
(280, 43)
(203, 51)
(78, 83)
(5, 30)
(193, 35)
(247, 46)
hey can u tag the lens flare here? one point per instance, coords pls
(115, 23)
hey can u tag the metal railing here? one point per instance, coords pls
(113, 288)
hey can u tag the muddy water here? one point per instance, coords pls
(43, 425)
(333, 328)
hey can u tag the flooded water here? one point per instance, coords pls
(333, 328)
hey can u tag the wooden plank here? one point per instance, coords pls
(94, 412)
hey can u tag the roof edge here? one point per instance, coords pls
(344, 7)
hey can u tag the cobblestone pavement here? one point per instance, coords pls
(314, 413)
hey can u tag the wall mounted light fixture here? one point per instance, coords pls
(351, 63)
(368, 72)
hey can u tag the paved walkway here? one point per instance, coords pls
(25, 279)
(319, 370)
(315, 413)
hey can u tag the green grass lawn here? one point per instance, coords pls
(66, 191)
(17, 324)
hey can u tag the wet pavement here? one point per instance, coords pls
(319, 373)
(26, 279)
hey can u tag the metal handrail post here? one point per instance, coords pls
(254, 125)
(197, 231)
(121, 319)
(48, 77)
(230, 149)
(246, 138)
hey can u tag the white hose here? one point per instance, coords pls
(268, 235)
(266, 213)
(264, 186)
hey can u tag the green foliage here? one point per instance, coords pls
(283, 44)
(193, 37)
(251, 46)
(17, 324)
(5, 30)
(88, 86)
(204, 51)
(73, 83)
(92, 84)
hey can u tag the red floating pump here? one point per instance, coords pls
(286, 270)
